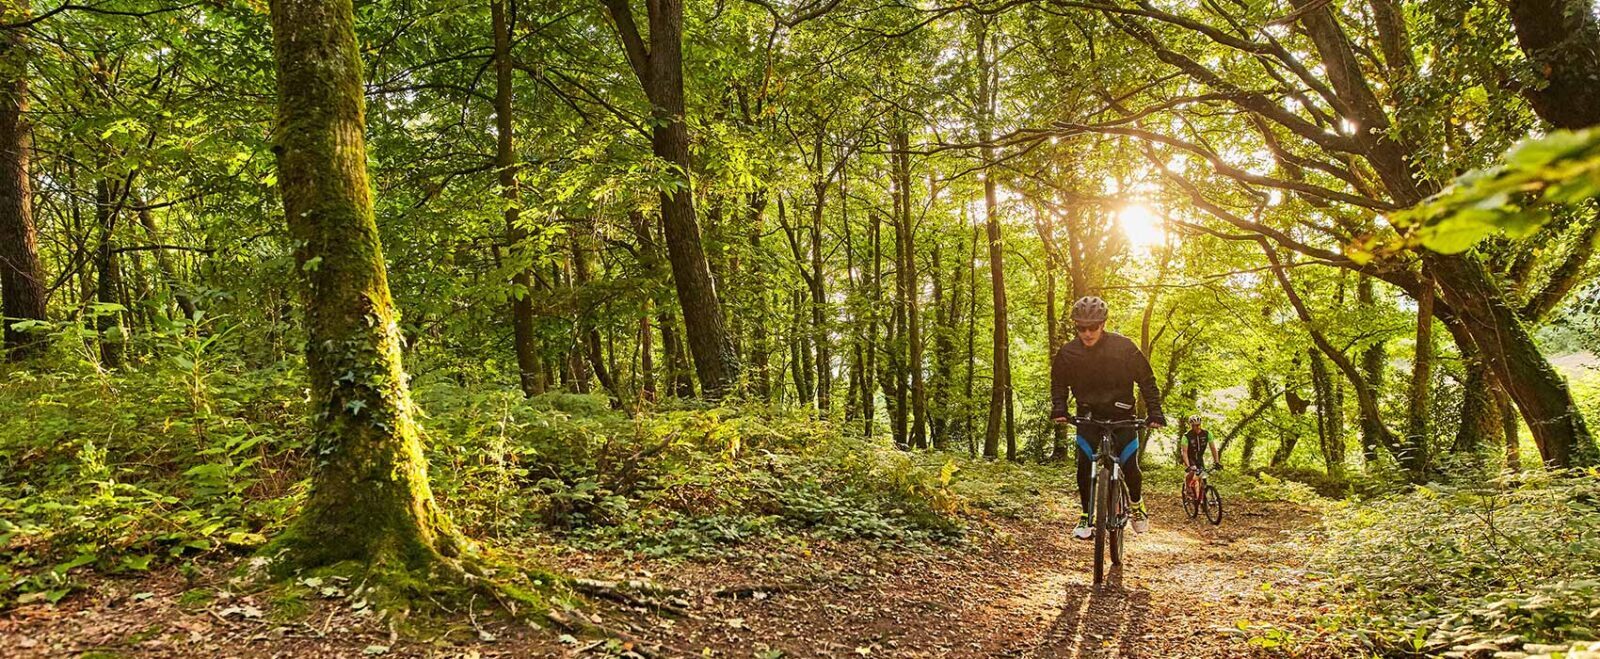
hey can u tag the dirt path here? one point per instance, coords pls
(1026, 593)
(1022, 591)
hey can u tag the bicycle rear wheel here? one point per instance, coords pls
(1102, 519)
(1213, 505)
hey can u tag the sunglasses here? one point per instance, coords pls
(1085, 329)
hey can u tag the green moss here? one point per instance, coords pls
(196, 597)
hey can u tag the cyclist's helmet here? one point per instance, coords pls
(1194, 418)
(1089, 309)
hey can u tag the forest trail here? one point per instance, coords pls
(1022, 589)
(1025, 593)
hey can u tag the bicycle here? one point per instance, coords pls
(1112, 504)
(1200, 495)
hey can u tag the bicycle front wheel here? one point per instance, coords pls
(1102, 523)
(1191, 503)
(1121, 525)
(1213, 505)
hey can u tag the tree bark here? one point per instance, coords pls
(108, 275)
(369, 500)
(1371, 417)
(1373, 362)
(1417, 426)
(529, 368)
(21, 274)
(1562, 39)
(1506, 345)
(659, 68)
(1000, 391)
(911, 285)
(1329, 415)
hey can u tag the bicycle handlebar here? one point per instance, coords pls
(1103, 423)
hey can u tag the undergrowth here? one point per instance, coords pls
(1511, 564)
(177, 460)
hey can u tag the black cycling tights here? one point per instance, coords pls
(1121, 439)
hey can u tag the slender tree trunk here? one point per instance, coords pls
(1000, 392)
(585, 326)
(760, 343)
(819, 295)
(1509, 429)
(799, 348)
(1329, 412)
(1417, 427)
(169, 272)
(678, 375)
(910, 285)
(108, 275)
(21, 274)
(968, 425)
(647, 366)
(369, 499)
(529, 370)
(1372, 365)
(1371, 418)
(868, 397)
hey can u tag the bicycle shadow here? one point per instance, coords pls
(1104, 621)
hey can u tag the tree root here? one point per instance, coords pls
(649, 596)
(576, 623)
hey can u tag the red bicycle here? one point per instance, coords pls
(1201, 496)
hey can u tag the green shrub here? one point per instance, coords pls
(1511, 561)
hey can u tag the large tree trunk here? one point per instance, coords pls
(369, 500)
(529, 369)
(1505, 344)
(659, 67)
(1562, 39)
(21, 274)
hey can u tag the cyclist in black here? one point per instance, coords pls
(1192, 446)
(1099, 369)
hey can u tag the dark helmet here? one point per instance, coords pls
(1089, 309)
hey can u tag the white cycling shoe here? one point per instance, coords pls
(1141, 518)
(1084, 530)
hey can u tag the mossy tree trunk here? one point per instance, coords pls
(1506, 345)
(369, 500)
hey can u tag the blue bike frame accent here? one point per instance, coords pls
(1127, 452)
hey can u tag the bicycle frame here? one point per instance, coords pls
(1111, 499)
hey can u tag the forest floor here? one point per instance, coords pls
(1020, 588)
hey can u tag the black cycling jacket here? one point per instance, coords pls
(1102, 378)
